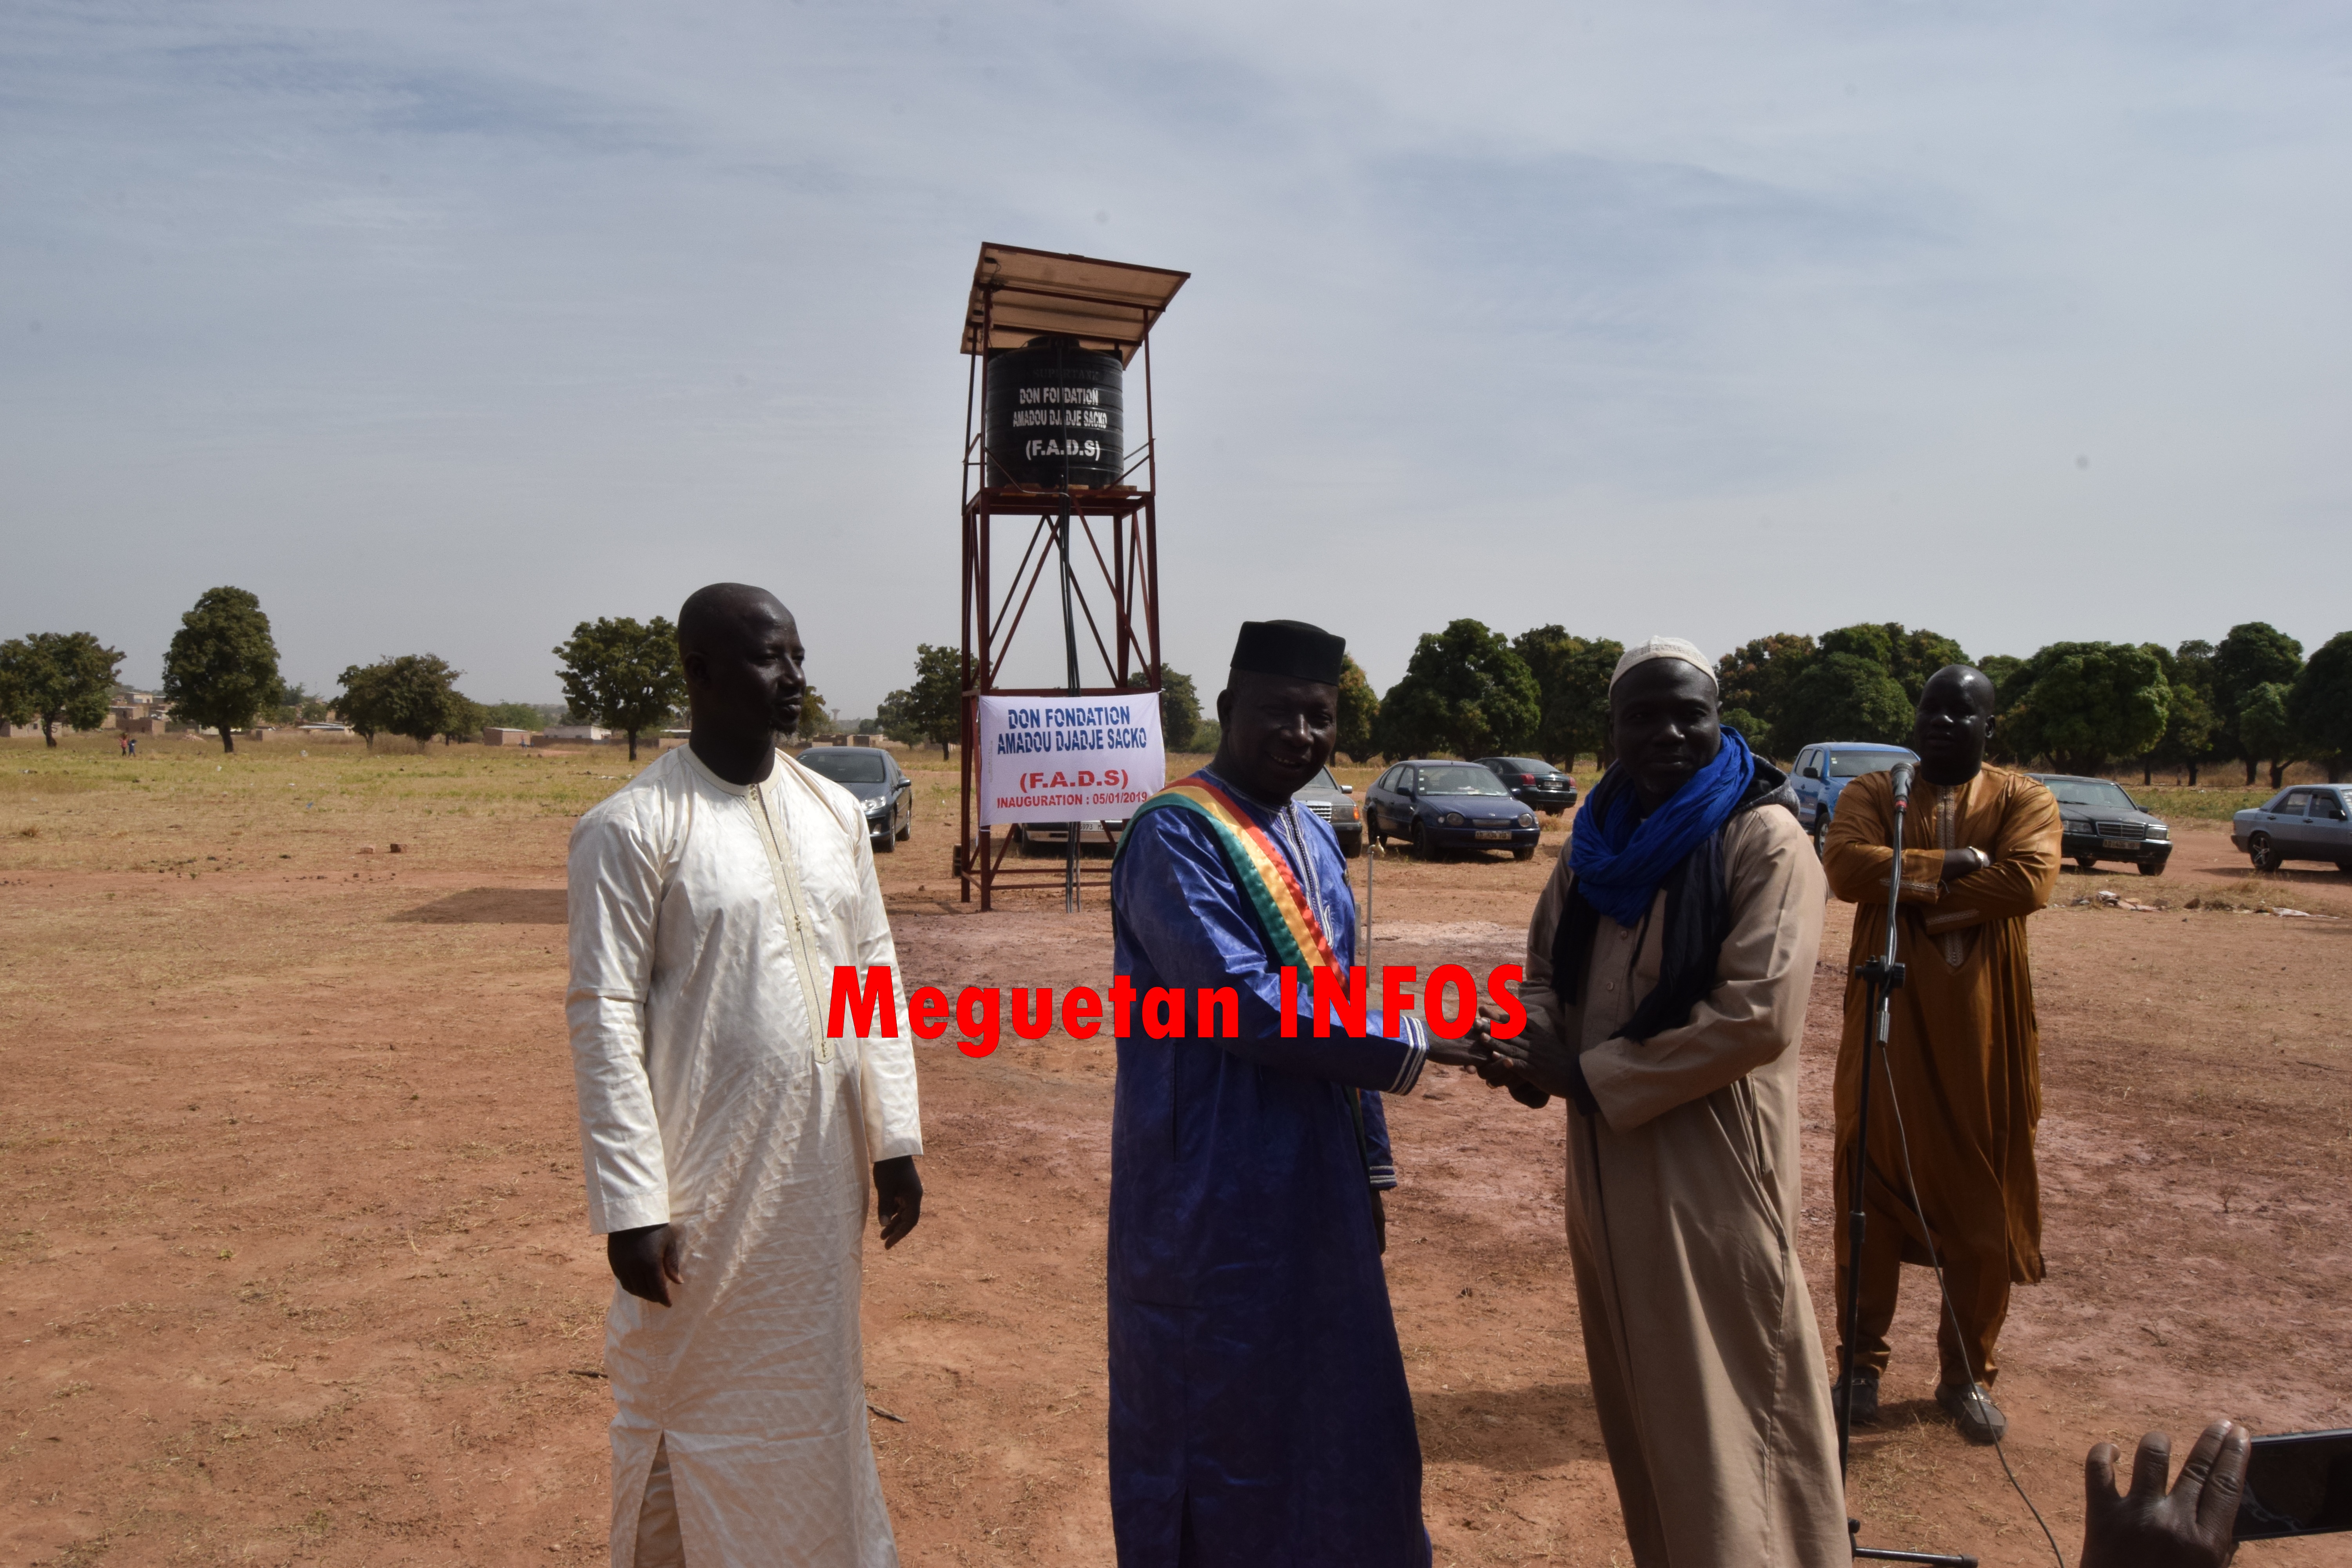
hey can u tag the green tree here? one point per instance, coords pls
(929, 711)
(514, 716)
(1910, 657)
(1180, 706)
(2086, 702)
(2266, 730)
(463, 719)
(628, 676)
(2320, 705)
(1572, 676)
(1464, 691)
(2254, 654)
(1842, 696)
(1754, 678)
(815, 720)
(1360, 712)
(57, 677)
(415, 695)
(222, 668)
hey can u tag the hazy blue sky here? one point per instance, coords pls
(443, 327)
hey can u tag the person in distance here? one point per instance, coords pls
(1259, 1412)
(728, 1142)
(1668, 967)
(1963, 1058)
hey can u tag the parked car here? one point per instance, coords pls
(2101, 821)
(1335, 803)
(2308, 822)
(1435, 805)
(1821, 772)
(1533, 782)
(873, 777)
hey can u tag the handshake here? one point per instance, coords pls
(1531, 1064)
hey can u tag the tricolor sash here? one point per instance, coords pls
(1290, 924)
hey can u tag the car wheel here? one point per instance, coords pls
(1373, 833)
(2088, 862)
(1527, 854)
(1422, 849)
(907, 828)
(1353, 847)
(2345, 866)
(884, 844)
(1821, 832)
(2152, 867)
(2262, 852)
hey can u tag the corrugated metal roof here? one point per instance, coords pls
(1103, 304)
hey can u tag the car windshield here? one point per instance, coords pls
(1322, 780)
(1854, 764)
(846, 767)
(1461, 780)
(2090, 792)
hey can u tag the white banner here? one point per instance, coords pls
(1069, 759)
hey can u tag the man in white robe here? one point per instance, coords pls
(727, 1138)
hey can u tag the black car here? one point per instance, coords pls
(1534, 781)
(873, 777)
(1437, 805)
(2100, 822)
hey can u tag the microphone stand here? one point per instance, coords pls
(1884, 976)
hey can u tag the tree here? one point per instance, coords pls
(2320, 704)
(1180, 706)
(1754, 679)
(2254, 654)
(222, 668)
(514, 716)
(57, 677)
(414, 695)
(1464, 691)
(1841, 697)
(931, 710)
(1571, 675)
(1360, 712)
(1910, 657)
(815, 720)
(2266, 731)
(2085, 702)
(628, 676)
(463, 719)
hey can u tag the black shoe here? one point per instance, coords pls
(1865, 1398)
(1973, 1412)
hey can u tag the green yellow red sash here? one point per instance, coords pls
(1282, 908)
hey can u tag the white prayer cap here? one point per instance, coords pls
(1661, 647)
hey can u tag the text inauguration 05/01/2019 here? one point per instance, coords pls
(1063, 758)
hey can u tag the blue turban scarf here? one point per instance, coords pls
(1621, 861)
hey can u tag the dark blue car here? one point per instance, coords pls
(1434, 805)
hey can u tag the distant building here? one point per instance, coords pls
(576, 732)
(492, 735)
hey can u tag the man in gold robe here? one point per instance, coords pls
(1963, 1060)
(1668, 967)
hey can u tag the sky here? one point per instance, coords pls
(445, 327)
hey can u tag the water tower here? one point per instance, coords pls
(1050, 449)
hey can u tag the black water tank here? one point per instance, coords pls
(1053, 416)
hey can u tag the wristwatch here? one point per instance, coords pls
(1982, 860)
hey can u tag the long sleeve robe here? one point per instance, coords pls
(1963, 1049)
(1683, 1214)
(1259, 1413)
(706, 919)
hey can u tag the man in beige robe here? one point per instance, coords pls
(1697, 904)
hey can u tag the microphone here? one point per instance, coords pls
(1902, 782)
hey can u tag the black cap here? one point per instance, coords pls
(1289, 648)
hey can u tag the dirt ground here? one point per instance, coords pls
(295, 1267)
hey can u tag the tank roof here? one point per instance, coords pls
(1103, 304)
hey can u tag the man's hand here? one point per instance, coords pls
(897, 1198)
(1497, 1073)
(2193, 1526)
(1960, 863)
(1472, 1049)
(646, 1261)
(1533, 1057)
